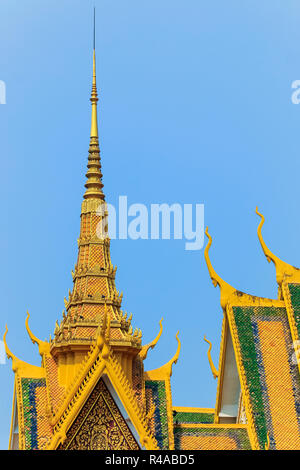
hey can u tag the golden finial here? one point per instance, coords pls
(44, 347)
(282, 269)
(176, 355)
(144, 351)
(9, 354)
(18, 366)
(15, 361)
(94, 95)
(94, 183)
(226, 289)
(215, 372)
(166, 370)
(94, 100)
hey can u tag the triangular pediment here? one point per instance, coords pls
(100, 425)
(103, 386)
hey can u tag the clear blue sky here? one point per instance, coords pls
(195, 107)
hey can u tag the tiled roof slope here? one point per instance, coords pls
(211, 437)
(269, 372)
(35, 428)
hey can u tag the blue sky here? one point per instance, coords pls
(195, 107)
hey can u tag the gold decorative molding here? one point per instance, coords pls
(100, 360)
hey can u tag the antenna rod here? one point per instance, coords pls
(94, 27)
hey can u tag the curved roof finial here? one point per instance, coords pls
(44, 347)
(145, 349)
(226, 289)
(176, 355)
(19, 366)
(215, 372)
(282, 269)
(9, 354)
(15, 361)
(165, 371)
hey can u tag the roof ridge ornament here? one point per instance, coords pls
(165, 371)
(9, 354)
(215, 372)
(145, 349)
(283, 269)
(226, 289)
(44, 347)
(19, 366)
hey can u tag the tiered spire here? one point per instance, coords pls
(94, 288)
(94, 183)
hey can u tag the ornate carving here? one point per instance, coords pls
(99, 425)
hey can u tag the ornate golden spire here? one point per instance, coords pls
(94, 300)
(94, 100)
(94, 183)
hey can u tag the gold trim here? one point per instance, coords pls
(291, 319)
(243, 380)
(222, 356)
(12, 417)
(192, 409)
(212, 425)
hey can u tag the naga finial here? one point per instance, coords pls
(9, 354)
(165, 371)
(283, 269)
(19, 366)
(44, 347)
(145, 349)
(15, 361)
(226, 289)
(176, 355)
(215, 372)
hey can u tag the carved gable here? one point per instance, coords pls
(99, 425)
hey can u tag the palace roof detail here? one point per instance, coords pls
(93, 392)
